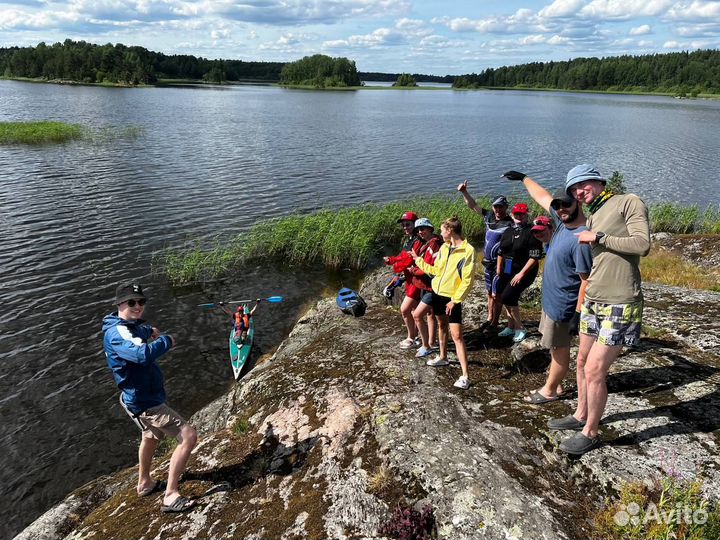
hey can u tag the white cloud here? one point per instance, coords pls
(522, 21)
(671, 45)
(378, 38)
(533, 40)
(640, 30)
(645, 43)
(695, 11)
(558, 40)
(699, 30)
(296, 12)
(625, 9)
(561, 8)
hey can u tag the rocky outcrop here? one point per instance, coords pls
(339, 426)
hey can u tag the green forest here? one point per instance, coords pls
(695, 73)
(118, 64)
(321, 71)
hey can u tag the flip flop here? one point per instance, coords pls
(536, 398)
(159, 485)
(181, 504)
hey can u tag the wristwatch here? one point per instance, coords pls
(599, 237)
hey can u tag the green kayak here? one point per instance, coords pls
(240, 353)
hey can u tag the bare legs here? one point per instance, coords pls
(425, 323)
(559, 366)
(187, 438)
(514, 320)
(457, 336)
(406, 310)
(145, 454)
(596, 368)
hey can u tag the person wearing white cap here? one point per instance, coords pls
(619, 234)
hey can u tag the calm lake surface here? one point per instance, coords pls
(78, 218)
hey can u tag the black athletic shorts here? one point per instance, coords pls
(510, 294)
(439, 303)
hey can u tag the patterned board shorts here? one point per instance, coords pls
(612, 324)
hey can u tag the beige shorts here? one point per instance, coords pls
(160, 422)
(554, 334)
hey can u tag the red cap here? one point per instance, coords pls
(408, 216)
(520, 208)
(541, 223)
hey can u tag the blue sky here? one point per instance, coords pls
(422, 36)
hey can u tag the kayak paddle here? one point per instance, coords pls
(271, 299)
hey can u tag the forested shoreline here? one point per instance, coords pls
(692, 73)
(682, 73)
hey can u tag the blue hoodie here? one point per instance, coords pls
(132, 361)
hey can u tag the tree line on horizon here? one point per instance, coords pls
(132, 65)
(119, 64)
(682, 73)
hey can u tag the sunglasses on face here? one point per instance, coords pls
(557, 205)
(408, 224)
(131, 302)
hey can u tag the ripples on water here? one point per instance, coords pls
(78, 218)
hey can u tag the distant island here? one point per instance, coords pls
(682, 74)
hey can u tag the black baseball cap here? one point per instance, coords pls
(561, 196)
(128, 291)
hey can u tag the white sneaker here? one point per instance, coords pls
(423, 352)
(462, 382)
(437, 361)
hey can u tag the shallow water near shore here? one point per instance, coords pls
(78, 218)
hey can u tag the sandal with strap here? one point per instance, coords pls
(181, 504)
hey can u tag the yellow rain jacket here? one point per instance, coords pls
(454, 271)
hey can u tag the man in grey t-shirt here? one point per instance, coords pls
(567, 266)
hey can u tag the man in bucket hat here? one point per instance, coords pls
(567, 266)
(496, 222)
(619, 234)
(132, 349)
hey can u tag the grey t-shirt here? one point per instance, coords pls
(565, 259)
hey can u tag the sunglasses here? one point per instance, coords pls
(556, 205)
(538, 222)
(132, 302)
(408, 224)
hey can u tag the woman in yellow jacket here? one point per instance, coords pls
(453, 275)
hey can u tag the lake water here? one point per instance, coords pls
(78, 218)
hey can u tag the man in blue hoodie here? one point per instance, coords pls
(132, 349)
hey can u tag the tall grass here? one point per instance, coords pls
(38, 132)
(346, 237)
(352, 237)
(675, 218)
(41, 132)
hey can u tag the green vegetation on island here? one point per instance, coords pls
(320, 71)
(405, 80)
(353, 237)
(683, 73)
(38, 132)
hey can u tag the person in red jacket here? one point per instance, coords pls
(423, 314)
(402, 262)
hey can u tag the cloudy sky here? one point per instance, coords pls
(422, 36)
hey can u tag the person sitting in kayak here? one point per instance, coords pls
(242, 323)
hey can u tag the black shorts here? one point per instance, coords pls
(439, 303)
(510, 294)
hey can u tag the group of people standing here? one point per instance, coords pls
(591, 285)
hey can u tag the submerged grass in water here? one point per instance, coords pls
(38, 132)
(41, 132)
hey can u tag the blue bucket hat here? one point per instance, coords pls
(581, 173)
(424, 222)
